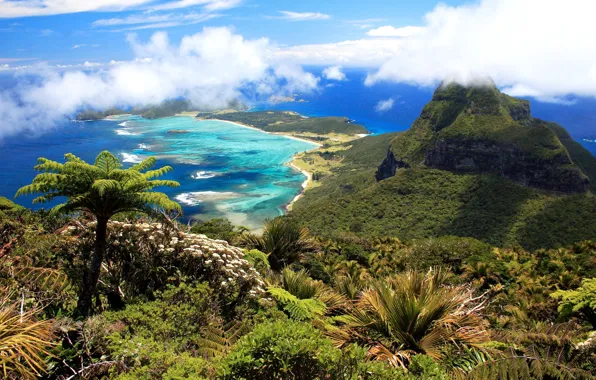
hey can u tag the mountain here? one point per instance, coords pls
(480, 130)
(474, 164)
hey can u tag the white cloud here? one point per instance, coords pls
(210, 5)
(548, 55)
(209, 68)
(390, 31)
(355, 53)
(334, 73)
(27, 8)
(153, 21)
(302, 16)
(384, 105)
(19, 8)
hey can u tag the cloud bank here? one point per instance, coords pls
(540, 48)
(211, 69)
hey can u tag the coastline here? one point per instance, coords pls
(308, 176)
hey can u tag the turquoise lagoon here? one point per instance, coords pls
(225, 170)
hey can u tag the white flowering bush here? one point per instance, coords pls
(144, 257)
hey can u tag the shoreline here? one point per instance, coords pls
(308, 176)
(269, 133)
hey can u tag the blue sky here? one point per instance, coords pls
(52, 38)
(66, 55)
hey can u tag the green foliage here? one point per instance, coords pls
(581, 301)
(176, 316)
(281, 350)
(296, 308)
(219, 229)
(282, 240)
(148, 359)
(448, 251)
(258, 260)
(8, 205)
(421, 203)
(413, 313)
(165, 109)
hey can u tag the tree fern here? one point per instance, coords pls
(102, 189)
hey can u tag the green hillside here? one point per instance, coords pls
(421, 201)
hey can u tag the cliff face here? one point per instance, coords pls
(389, 166)
(480, 130)
(475, 156)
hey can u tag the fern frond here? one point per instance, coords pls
(107, 162)
(45, 165)
(103, 185)
(146, 164)
(158, 173)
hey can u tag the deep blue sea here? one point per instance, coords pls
(235, 172)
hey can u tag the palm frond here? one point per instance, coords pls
(24, 342)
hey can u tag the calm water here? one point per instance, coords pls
(224, 170)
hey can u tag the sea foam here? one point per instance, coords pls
(125, 132)
(194, 198)
(203, 175)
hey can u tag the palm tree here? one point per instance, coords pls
(413, 313)
(282, 240)
(102, 189)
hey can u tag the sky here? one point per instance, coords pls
(65, 55)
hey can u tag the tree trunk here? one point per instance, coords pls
(85, 303)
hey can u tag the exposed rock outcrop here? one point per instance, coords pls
(389, 166)
(477, 156)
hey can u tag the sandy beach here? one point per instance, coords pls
(308, 176)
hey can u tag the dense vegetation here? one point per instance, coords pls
(284, 121)
(175, 305)
(165, 109)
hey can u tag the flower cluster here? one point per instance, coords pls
(215, 261)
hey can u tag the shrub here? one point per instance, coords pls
(219, 229)
(258, 260)
(281, 350)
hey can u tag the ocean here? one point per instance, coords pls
(224, 170)
(235, 172)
